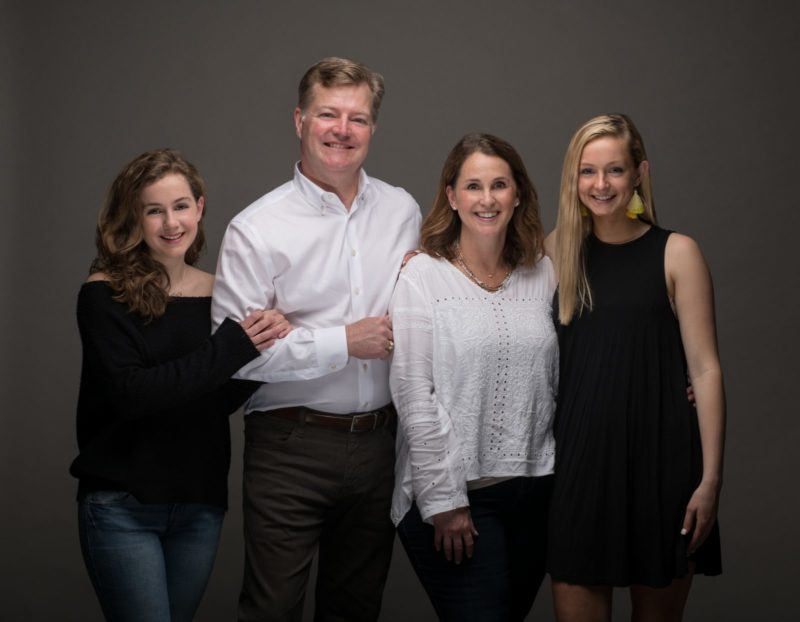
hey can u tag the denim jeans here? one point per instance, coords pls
(499, 583)
(147, 562)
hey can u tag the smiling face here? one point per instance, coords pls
(335, 130)
(169, 218)
(607, 177)
(485, 195)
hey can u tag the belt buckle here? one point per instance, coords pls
(373, 414)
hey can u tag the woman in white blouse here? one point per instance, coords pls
(473, 377)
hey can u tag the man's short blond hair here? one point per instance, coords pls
(333, 71)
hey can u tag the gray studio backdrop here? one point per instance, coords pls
(88, 85)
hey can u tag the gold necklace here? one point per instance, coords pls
(176, 289)
(471, 275)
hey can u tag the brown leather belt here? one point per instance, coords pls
(351, 422)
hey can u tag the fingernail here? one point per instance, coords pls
(684, 531)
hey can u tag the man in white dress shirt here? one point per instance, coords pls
(325, 249)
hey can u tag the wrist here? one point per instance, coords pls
(713, 480)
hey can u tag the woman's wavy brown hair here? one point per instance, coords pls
(140, 281)
(442, 226)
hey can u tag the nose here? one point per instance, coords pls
(169, 219)
(343, 127)
(601, 181)
(487, 198)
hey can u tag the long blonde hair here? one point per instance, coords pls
(572, 229)
(137, 279)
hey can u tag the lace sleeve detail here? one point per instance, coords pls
(438, 478)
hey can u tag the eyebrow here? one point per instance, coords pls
(501, 177)
(328, 108)
(155, 204)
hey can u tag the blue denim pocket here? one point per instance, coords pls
(109, 497)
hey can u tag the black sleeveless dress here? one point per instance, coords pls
(628, 454)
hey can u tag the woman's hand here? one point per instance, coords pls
(264, 327)
(455, 533)
(701, 512)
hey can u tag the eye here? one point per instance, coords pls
(181, 206)
(585, 171)
(500, 184)
(617, 170)
(361, 121)
(153, 211)
(473, 186)
(326, 115)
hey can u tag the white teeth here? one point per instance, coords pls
(487, 214)
(172, 237)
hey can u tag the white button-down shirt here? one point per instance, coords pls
(299, 250)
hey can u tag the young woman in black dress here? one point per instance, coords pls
(155, 396)
(638, 469)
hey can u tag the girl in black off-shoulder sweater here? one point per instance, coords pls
(154, 399)
(155, 396)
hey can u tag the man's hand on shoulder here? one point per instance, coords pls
(370, 338)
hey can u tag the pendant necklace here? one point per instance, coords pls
(471, 275)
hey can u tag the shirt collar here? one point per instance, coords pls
(321, 199)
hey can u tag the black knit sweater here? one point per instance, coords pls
(155, 398)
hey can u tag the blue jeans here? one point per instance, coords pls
(147, 562)
(499, 583)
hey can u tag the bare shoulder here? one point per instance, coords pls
(679, 242)
(550, 244)
(97, 276)
(685, 265)
(202, 283)
(683, 251)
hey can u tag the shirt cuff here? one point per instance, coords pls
(331, 346)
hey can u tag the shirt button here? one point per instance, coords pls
(364, 366)
(356, 291)
(333, 365)
(353, 252)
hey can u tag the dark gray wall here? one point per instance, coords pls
(88, 85)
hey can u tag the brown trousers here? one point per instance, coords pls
(309, 488)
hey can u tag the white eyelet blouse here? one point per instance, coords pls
(473, 376)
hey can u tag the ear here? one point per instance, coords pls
(201, 202)
(450, 194)
(643, 170)
(374, 127)
(298, 121)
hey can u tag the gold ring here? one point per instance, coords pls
(390, 346)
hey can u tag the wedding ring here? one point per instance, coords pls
(390, 345)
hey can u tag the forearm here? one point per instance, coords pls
(304, 354)
(438, 477)
(141, 389)
(710, 402)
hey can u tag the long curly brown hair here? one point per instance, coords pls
(137, 279)
(442, 227)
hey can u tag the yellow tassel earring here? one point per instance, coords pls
(635, 207)
(584, 211)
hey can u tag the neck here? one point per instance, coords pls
(619, 230)
(176, 271)
(344, 185)
(483, 255)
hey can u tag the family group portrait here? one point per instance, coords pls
(369, 312)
